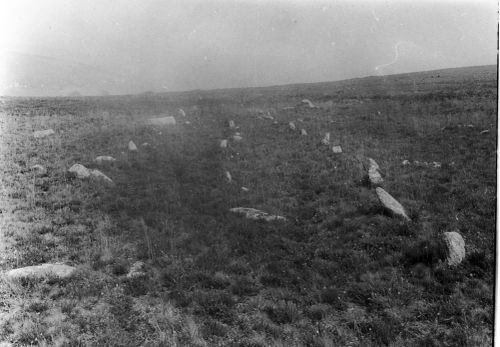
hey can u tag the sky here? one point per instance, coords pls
(58, 47)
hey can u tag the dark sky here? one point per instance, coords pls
(123, 46)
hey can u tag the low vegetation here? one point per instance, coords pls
(339, 271)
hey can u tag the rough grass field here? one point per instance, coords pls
(339, 272)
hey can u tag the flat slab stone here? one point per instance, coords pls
(162, 121)
(41, 271)
(391, 204)
(455, 245)
(254, 214)
(105, 158)
(43, 133)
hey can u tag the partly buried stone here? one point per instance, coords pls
(39, 170)
(254, 214)
(43, 133)
(455, 248)
(99, 175)
(337, 149)
(162, 121)
(79, 171)
(131, 146)
(391, 204)
(105, 159)
(137, 270)
(41, 271)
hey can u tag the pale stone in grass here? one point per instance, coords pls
(391, 204)
(41, 271)
(484, 131)
(223, 144)
(303, 132)
(138, 269)
(245, 189)
(373, 164)
(99, 175)
(187, 122)
(292, 125)
(162, 121)
(131, 146)
(308, 103)
(337, 149)
(231, 124)
(436, 164)
(237, 138)
(228, 177)
(405, 162)
(268, 116)
(145, 144)
(39, 170)
(326, 139)
(254, 214)
(375, 176)
(79, 170)
(43, 133)
(104, 158)
(182, 113)
(455, 247)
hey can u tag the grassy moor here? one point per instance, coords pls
(156, 257)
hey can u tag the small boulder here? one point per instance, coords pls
(292, 125)
(162, 121)
(303, 132)
(131, 146)
(391, 204)
(337, 149)
(455, 247)
(223, 144)
(137, 270)
(41, 271)
(39, 170)
(43, 133)
(79, 171)
(254, 214)
(104, 158)
(326, 139)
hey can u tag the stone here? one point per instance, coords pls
(326, 139)
(100, 176)
(337, 149)
(43, 133)
(145, 144)
(131, 146)
(137, 270)
(41, 271)
(292, 125)
(254, 214)
(373, 164)
(405, 162)
(231, 124)
(182, 113)
(375, 177)
(455, 247)
(308, 103)
(245, 189)
(104, 158)
(228, 176)
(162, 121)
(237, 138)
(80, 171)
(484, 131)
(187, 122)
(39, 170)
(436, 165)
(303, 132)
(391, 204)
(223, 144)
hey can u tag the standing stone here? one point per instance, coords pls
(223, 143)
(303, 132)
(99, 175)
(131, 146)
(391, 204)
(43, 133)
(455, 245)
(337, 149)
(374, 173)
(41, 271)
(326, 139)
